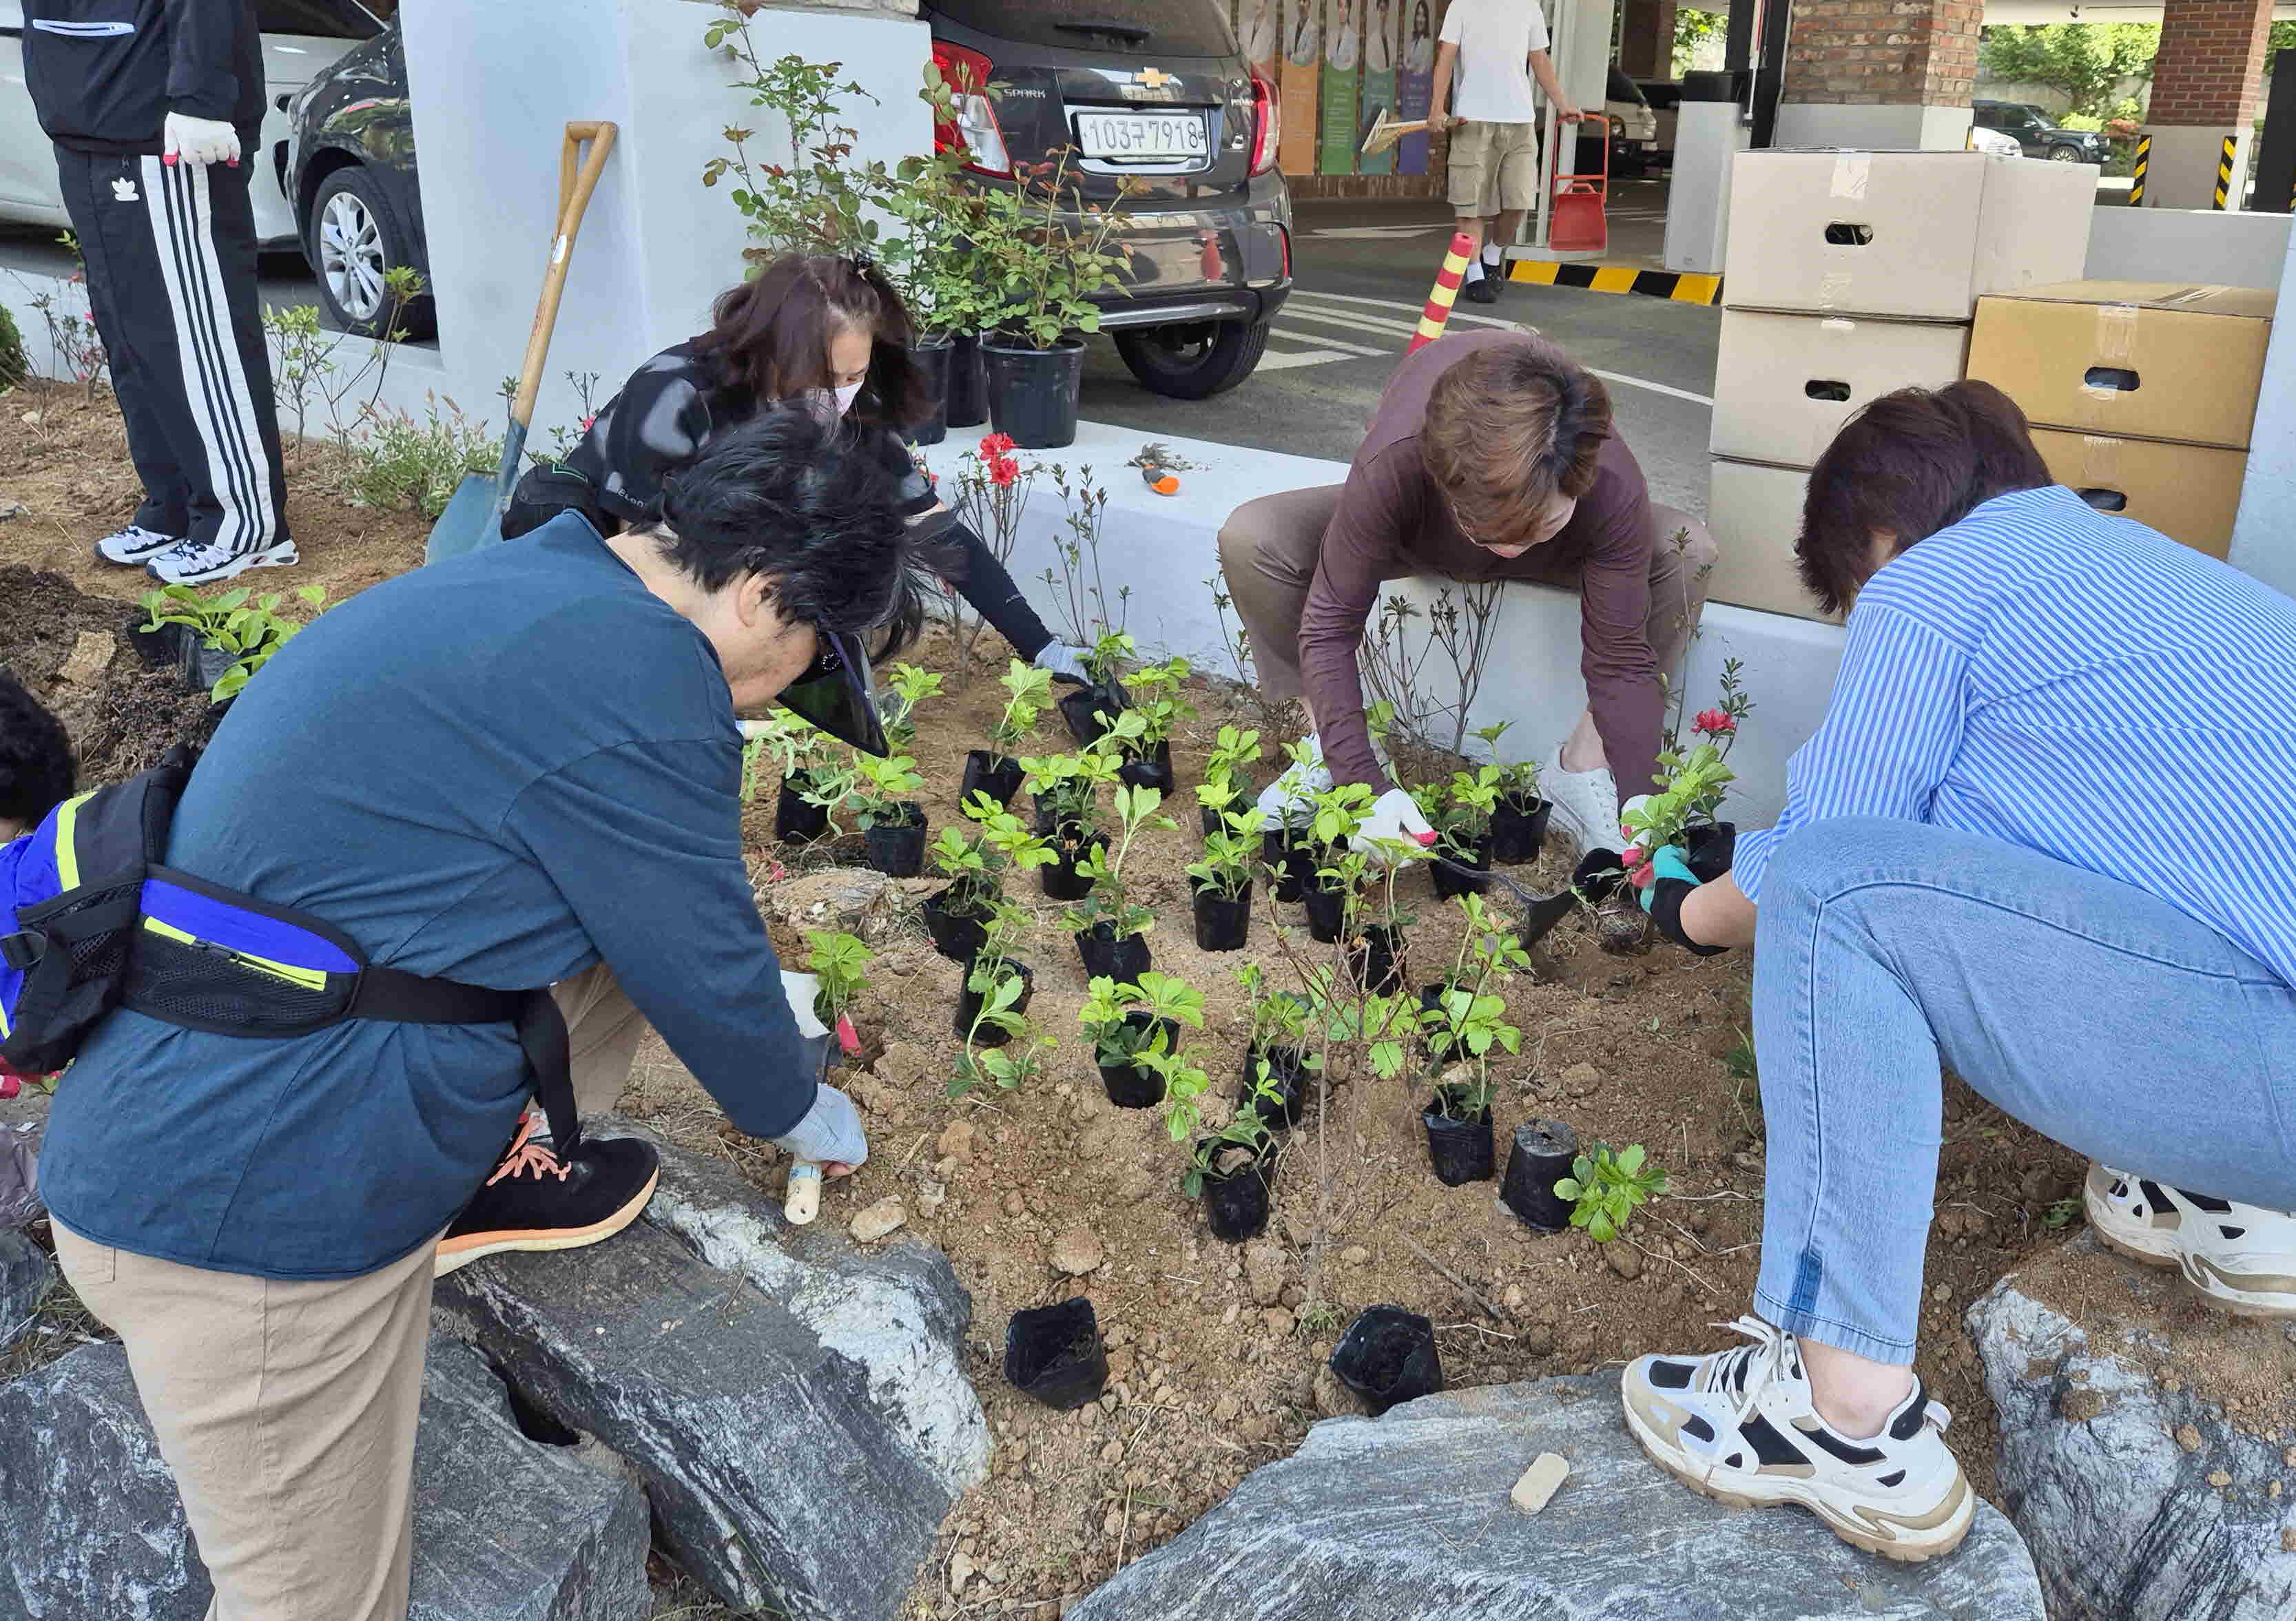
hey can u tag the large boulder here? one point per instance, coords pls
(797, 1408)
(1408, 1516)
(2147, 1442)
(25, 1273)
(506, 1528)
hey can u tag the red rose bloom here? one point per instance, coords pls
(1713, 723)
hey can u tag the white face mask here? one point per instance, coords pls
(845, 398)
(829, 405)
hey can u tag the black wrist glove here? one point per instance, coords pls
(1666, 898)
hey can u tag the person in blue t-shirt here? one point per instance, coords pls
(520, 767)
(2042, 838)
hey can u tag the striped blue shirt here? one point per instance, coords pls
(2078, 685)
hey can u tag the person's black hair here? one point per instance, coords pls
(769, 337)
(36, 771)
(783, 495)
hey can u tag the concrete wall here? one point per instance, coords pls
(2187, 245)
(1870, 126)
(2264, 542)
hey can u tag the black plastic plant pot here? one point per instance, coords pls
(1710, 849)
(1123, 959)
(1375, 959)
(1287, 1073)
(956, 935)
(1047, 821)
(1055, 1353)
(1275, 850)
(969, 1001)
(1430, 1001)
(932, 360)
(1129, 1086)
(199, 666)
(991, 774)
(1152, 770)
(1082, 708)
(797, 820)
(1245, 794)
(1059, 880)
(1223, 924)
(1519, 829)
(1388, 1357)
(898, 849)
(1459, 1149)
(156, 650)
(1235, 1205)
(1033, 393)
(1326, 912)
(966, 403)
(1541, 1156)
(1450, 882)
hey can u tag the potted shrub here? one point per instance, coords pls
(1039, 279)
(1221, 881)
(223, 639)
(1001, 1048)
(1227, 785)
(1486, 950)
(1461, 819)
(1128, 1022)
(996, 769)
(1606, 1188)
(894, 826)
(1276, 1061)
(1111, 926)
(1710, 844)
(910, 686)
(1336, 816)
(992, 489)
(1067, 790)
(1234, 1172)
(957, 914)
(1157, 708)
(990, 966)
(931, 262)
(1690, 790)
(840, 962)
(1519, 819)
(1089, 709)
(794, 746)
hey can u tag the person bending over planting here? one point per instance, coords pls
(830, 332)
(2041, 837)
(1492, 456)
(518, 768)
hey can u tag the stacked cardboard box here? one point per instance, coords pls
(1851, 275)
(2141, 394)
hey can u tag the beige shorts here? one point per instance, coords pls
(1493, 169)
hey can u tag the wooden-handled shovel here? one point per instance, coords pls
(1383, 132)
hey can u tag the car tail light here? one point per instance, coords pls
(974, 128)
(1285, 233)
(1267, 125)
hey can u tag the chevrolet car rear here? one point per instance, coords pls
(1153, 99)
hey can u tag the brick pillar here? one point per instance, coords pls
(2205, 85)
(1880, 73)
(1646, 38)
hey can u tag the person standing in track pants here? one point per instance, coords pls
(150, 114)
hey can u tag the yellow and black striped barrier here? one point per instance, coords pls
(1683, 287)
(2136, 175)
(2224, 173)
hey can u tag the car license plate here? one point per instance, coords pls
(1142, 135)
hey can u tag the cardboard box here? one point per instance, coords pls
(2150, 360)
(1918, 235)
(2190, 492)
(1785, 384)
(1754, 512)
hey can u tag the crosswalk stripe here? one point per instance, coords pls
(1350, 320)
(1284, 360)
(1321, 342)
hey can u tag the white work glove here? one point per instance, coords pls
(1287, 799)
(199, 141)
(799, 990)
(1394, 815)
(830, 1133)
(1065, 662)
(1626, 833)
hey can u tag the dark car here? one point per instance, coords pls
(1157, 94)
(349, 173)
(2036, 136)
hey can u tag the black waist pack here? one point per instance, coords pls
(93, 919)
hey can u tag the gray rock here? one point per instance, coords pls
(506, 1528)
(25, 1273)
(798, 1407)
(1407, 1517)
(2108, 1473)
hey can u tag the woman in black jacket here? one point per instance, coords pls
(825, 330)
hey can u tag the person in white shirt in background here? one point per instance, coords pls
(1495, 48)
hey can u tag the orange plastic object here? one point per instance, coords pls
(1575, 220)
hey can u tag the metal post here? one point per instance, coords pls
(2224, 171)
(2276, 158)
(1770, 76)
(2136, 176)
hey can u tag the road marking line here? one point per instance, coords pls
(1293, 306)
(1273, 361)
(1321, 342)
(1656, 387)
(1348, 319)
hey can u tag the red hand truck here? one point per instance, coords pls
(1575, 219)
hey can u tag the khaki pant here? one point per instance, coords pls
(1269, 548)
(286, 1411)
(1493, 168)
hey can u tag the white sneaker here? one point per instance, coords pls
(2240, 1258)
(132, 547)
(1585, 802)
(205, 563)
(1738, 1426)
(1287, 799)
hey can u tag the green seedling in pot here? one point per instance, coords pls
(1230, 857)
(972, 870)
(1246, 1134)
(1020, 1059)
(1161, 997)
(1517, 780)
(237, 622)
(1032, 694)
(887, 785)
(1467, 1024)
(1606, 1189)
(1488, 948)
(1691, 787)
(1105, 662)
(1279, 1019)
(1007, 835)
(1232, 750)
(1070, 785)
(1220, 793)
(911, 686)
(1186, 1083)
(1109, 900)
(1345, 1015)
(840, 962)
(833, 784)
(1155, 689)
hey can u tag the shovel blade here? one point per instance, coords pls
(469, 522)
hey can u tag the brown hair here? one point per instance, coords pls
(1508, 426)
(769, 337)
(1909, 464)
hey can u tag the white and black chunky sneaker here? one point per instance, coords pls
(1739, 1426)
(2240, 1258)
(134, 546)
(203, 563)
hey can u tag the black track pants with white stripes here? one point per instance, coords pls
(170, 256)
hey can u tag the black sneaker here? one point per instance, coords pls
(1479, 290)
(537, 1199)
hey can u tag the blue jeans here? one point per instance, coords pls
(2093, 1012)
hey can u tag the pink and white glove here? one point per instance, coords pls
(1394, 816)
(199, 141)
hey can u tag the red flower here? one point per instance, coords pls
(587, 421)
(1633, 856)
(995, 445)
(1713, 723)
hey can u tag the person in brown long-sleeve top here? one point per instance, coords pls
(1492, 456)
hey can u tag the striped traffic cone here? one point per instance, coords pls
(1446, 292)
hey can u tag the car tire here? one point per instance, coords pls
(2067, 154)
(353, 238)
(1194, 359)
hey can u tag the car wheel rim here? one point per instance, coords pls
(350, 256)
(2064, 154)
(1184, 346)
